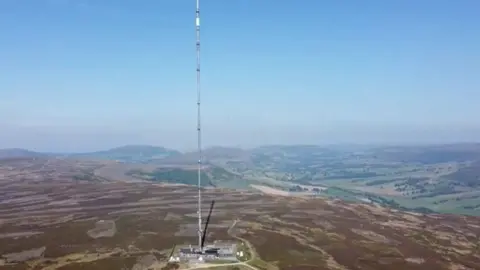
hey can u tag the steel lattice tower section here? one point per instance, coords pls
(199, 130)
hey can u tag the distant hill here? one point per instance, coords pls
(213, 176)
(444, 178)
(468, 176)
(132, 153)
(128, 153)
(431, 154)
(19, 153)
(215, 155)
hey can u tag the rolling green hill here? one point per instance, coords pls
(131, 154)
(128, 153)
(212, 176)
(19, 153)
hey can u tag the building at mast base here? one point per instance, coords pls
(225, 251)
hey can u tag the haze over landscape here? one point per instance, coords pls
(90, 75)
(337, 135)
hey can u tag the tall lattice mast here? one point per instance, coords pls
(199, 131)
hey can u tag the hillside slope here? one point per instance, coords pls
(211, 176)
(131, 154)
(128, 153)
(19, 153)
(58, 220)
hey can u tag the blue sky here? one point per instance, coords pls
(79, 75)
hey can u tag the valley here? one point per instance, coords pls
(426, 178)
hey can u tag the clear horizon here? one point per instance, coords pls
(78, 76)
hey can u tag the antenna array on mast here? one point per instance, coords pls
(199, 131)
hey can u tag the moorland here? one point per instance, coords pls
(59, 214)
